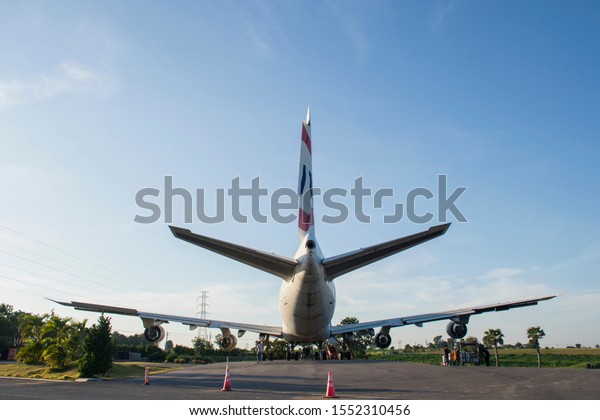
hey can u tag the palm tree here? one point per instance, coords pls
(493, 338)
(31, 337)
(535, 334)
(61, 339)
(75, 340)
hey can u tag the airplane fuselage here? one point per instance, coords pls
(307, 299)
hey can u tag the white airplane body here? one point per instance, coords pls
(307, 296)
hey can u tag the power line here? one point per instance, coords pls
(32, 284)
(59, 270)
(53, 279)
(44, 221)
(20, 291)
(73, 256)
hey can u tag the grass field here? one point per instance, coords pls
(119, 370)
(554, 358)
(551, 358)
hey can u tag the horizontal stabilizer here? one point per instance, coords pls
(342, 264)
(271, 263)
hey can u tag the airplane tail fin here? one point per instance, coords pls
(305, 182)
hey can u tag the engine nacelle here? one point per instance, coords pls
(228, 342)
(456, 330)
(382, 340)
(154, 334)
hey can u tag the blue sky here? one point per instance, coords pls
(101, 99)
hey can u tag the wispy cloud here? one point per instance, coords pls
(588, 255)
(501, 273)
(261, 26)
(440, 13)
(349, 21)
(418, 293)
(66, 77)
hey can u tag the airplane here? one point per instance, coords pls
(307, 296)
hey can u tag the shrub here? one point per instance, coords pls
(171, 357)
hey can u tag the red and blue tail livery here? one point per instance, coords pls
(306, 220)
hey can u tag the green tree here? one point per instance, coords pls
(535, 334)
(97, 349)
(9, 327)
(134, 340)
(63, 341)
(75, 340)
(361, 340)
(184, 350)
(279, 348)
(492, 338)
(32, 338)
(202, 347)
(471, 340)
(56, 333)
(218, 339)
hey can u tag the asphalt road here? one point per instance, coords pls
(283, 380)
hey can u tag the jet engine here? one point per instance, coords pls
(456, 329)
(382, 340)
(154, 334)
(228, 342)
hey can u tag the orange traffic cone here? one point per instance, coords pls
(227, 383)
(330, 393)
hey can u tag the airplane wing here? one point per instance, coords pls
(342, 264)
(149, 318)
(458, 315)
(271, 263)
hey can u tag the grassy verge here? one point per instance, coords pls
(120, 370)
(551, 358)
(20, 370)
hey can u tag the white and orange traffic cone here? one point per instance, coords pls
(227, 383)
(330, 393)
(147, 376)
